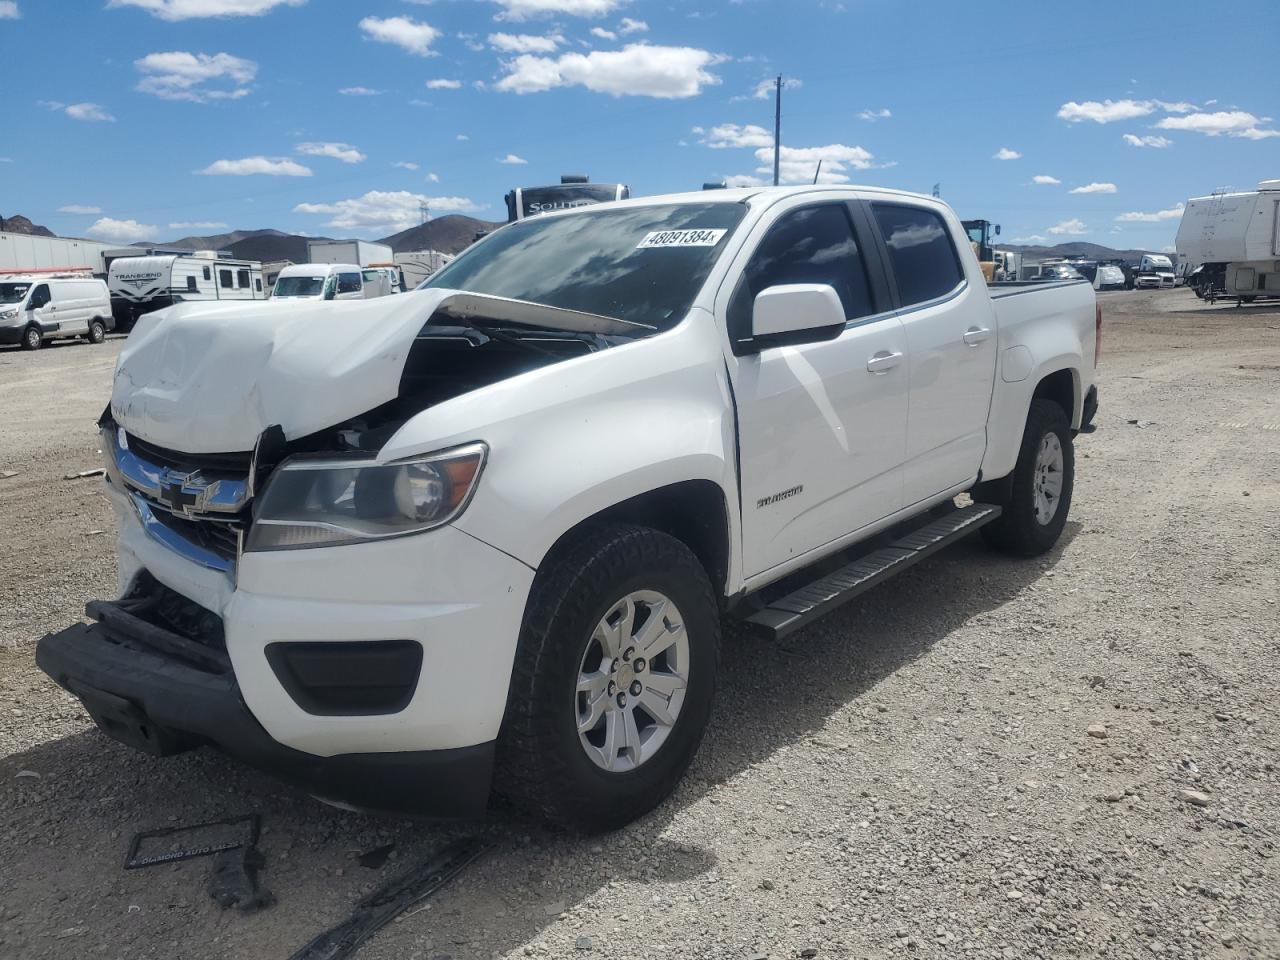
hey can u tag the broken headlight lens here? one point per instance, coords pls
(324, 503)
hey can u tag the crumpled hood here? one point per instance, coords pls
(210, 377)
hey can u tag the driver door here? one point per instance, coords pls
(822, 426)
(42, 310)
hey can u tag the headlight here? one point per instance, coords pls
(8, 314)
(323, 503)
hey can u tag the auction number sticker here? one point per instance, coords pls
(680, 238)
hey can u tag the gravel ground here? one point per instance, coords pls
(1075, 756)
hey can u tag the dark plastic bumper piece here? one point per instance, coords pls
(1089, 411)
(151, 700)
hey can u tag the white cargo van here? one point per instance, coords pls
(319, 281)
(39, 307)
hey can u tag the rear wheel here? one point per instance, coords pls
(32, 338)
(613, 681)
(97, 331)
(1037, 496)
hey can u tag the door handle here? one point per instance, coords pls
(975, 335)
(883, 361)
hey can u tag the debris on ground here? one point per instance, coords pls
(81, 474)
(391, 899)
(152, 847)
(1142, 424)
(234, 880)
(375, 858)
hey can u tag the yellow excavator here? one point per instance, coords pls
(980, 234)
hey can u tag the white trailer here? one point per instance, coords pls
(360, 252)
(21, 252)
(140, 285)
(417, 266)
(1229, 244)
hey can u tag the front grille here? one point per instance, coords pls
(216, 464)
(219, 537)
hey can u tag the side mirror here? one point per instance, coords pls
(792, 313)
(997, 229)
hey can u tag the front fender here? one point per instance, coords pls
(570, 440)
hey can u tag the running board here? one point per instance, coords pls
(801, 607)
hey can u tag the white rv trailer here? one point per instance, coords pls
(417, 266)
(360, 252)
(1229, 243)
(142, 284)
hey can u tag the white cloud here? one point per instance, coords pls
(335, 151)
(443, 84)
(79, 208)
(405, 165)
(799, 164)
(1071, 228)
(433, 177)
(198, 225)
(461, 136)
(1095, 188)
(524, 42)
(743, 180)
(269, 166)
(174, 10)
(91, 112)
(404, 32)
(121, 231)
(1173, 213)
(512, 160)
(360, 92)
(638, 69)
(9, 10)
(384, 212)
(1234, 123)
(1108, 111)
(632, 26)
(731, 135)
(179, 75)
(603, 34)
(764, 89)
(1045, 180)
(1150, 141)
(1004, 153)
(871, 116)
(525, 9)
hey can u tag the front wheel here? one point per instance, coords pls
(32, 338)
(613, 681)
(1037, 496)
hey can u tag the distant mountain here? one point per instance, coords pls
(449, 234)
(1076, 249)
(222, 241)
(20, 224)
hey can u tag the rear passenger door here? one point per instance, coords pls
(951, 347)
(821, 425)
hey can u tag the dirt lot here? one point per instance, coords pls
(913, 777)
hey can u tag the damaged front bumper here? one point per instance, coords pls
(163, 693)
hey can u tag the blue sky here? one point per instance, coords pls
(154, 119)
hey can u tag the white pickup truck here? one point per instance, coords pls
(481, 538)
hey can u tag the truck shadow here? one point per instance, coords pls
(67, 830)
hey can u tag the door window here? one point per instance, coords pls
(191, 284)
(349, 283)
(242, 279)
(810, 245)
(224, 280)
(39, 297)
(206, 272)
(921, 253)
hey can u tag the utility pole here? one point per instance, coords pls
(777, 126)
(424, 211)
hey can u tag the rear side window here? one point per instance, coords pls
(257, 284)
(810, 245)
(191, 284)
(242, 279)
(921, 253)
(349, 283)
(224, 280)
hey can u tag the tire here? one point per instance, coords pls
(1022, 529)
(544, 766)
(32, 338)
(97, 331)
